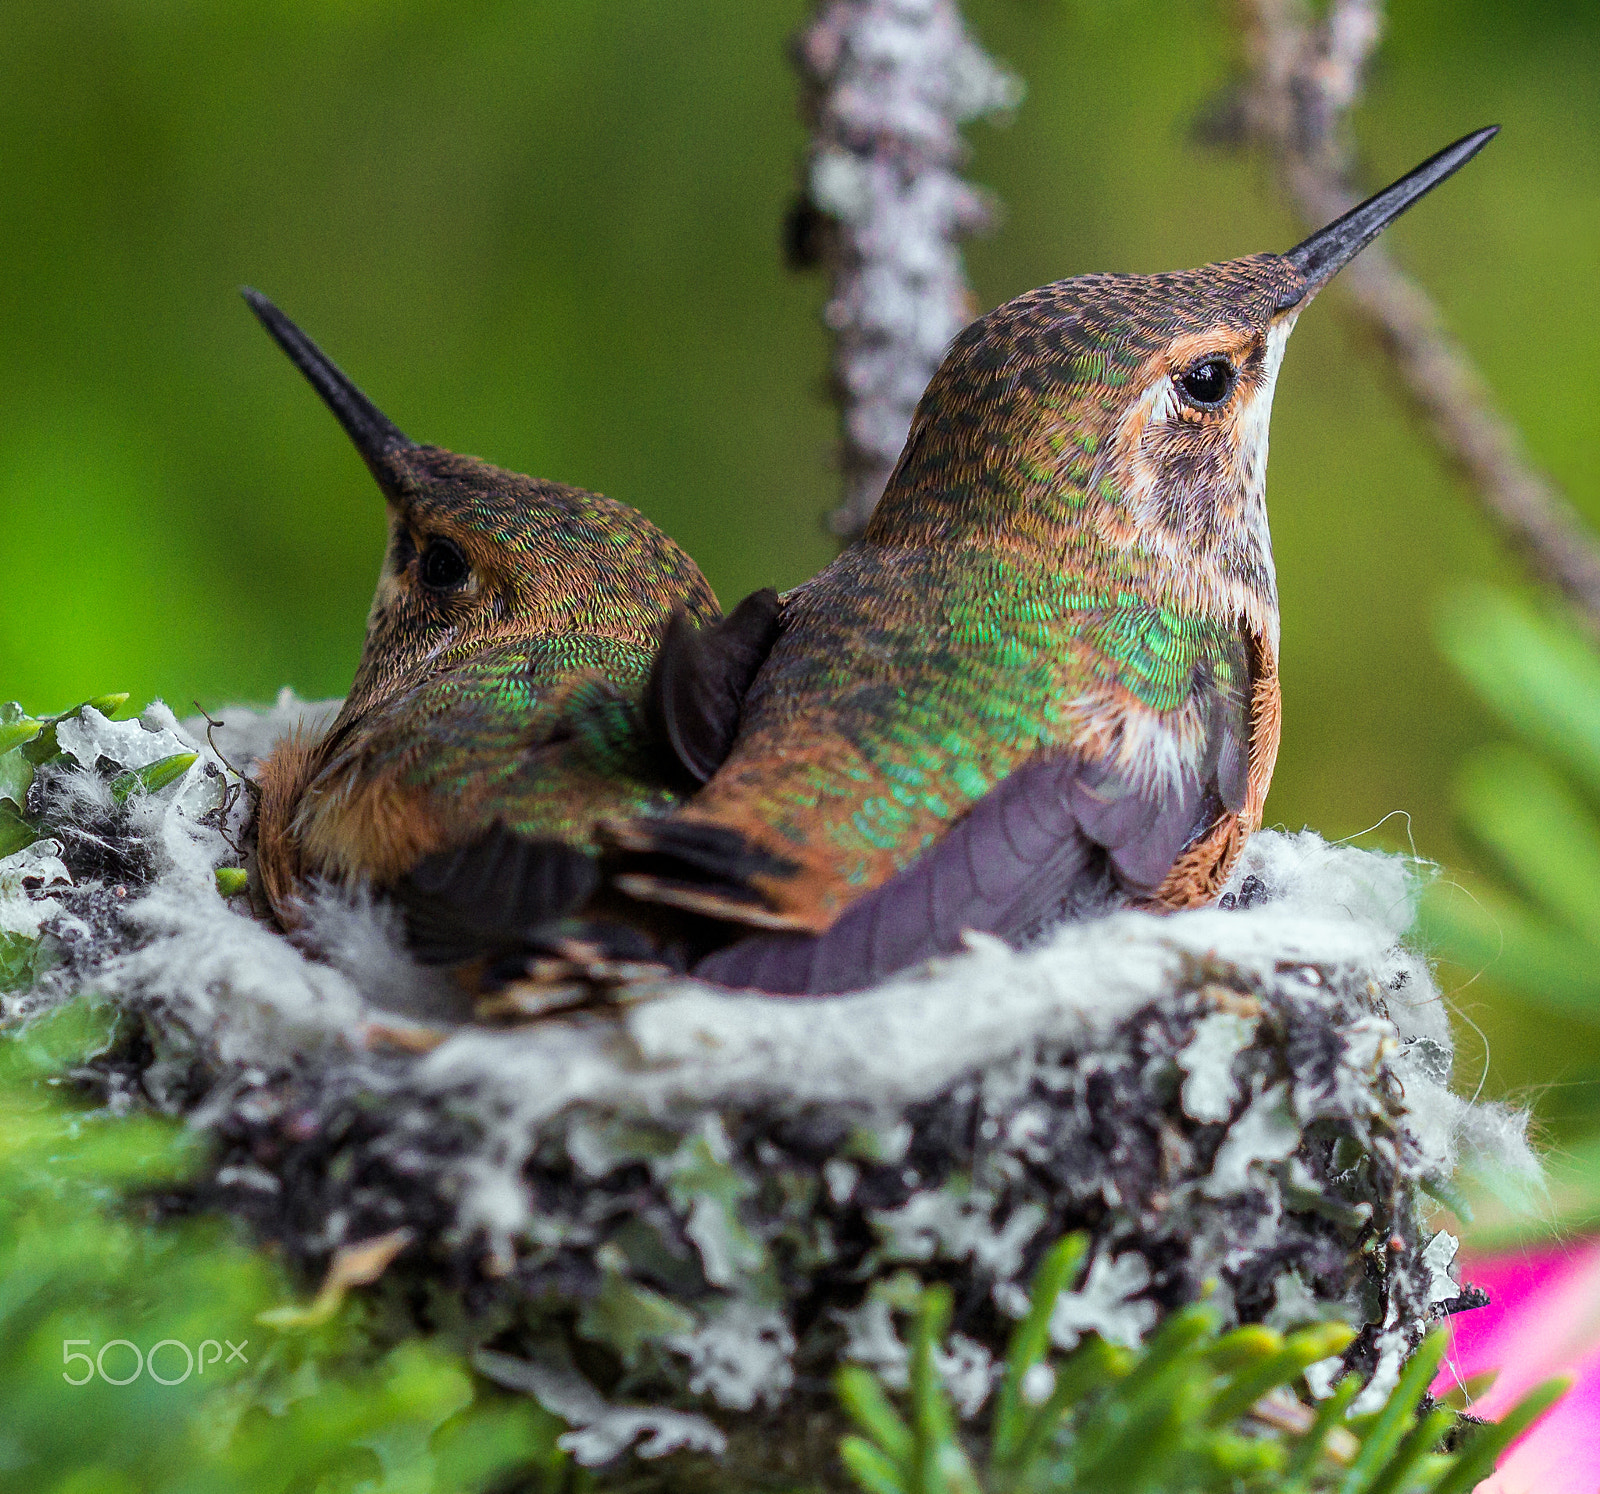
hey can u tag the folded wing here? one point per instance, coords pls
(1054, 840)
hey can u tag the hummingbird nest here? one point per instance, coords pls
(671, 1217)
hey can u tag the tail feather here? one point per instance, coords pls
(686, 850)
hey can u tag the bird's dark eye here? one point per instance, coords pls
(444, 566)
(1207, 383)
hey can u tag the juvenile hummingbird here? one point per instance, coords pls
(499, 709)
(1045, 680)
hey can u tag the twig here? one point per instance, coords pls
(887, 85)
(1303, 77)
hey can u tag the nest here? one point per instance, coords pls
(670, 1219)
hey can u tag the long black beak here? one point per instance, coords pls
(376, 437)
(1329, 249)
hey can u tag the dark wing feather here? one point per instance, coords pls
(492, 895)
(699, 679)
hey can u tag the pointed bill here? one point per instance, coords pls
(1329, 249)
(376, 437)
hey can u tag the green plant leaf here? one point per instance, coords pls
(1031, 1341)
(1249, 1384)
(1416, 1451)
(870, 1468)
(1330, 1414)
(42, 748)
(16, 726)
(232, 880)
(1542, 833)
(1475, 1462)
(866, 1404)
(153, 776)
(16, 778)
(1533, 958)
(1535, 670)
(1392, 1423)
(21, 959)
(16, 833)
(107, 705)
(79, 1268)
(1194, 1412)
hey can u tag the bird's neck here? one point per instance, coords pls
(1076, 520)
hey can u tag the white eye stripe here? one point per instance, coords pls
(1165, 404)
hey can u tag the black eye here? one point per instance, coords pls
(1207, 383)
(444, 567)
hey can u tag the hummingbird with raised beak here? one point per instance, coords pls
(535, 663)
(1045, 679)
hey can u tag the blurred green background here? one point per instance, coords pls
(546, 232)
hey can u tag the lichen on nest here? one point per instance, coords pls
(671, 1218)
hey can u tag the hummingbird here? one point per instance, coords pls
(1045, 679)
(538, 659)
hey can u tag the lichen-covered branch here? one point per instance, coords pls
(1303, 75)
(887, 85)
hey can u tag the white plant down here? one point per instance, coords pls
(344, 1002)
(889, 1047)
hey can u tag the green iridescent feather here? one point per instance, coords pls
(941, 713)
(544, 735)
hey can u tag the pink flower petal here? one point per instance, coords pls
(1543, 1320)
(1561, 1453)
